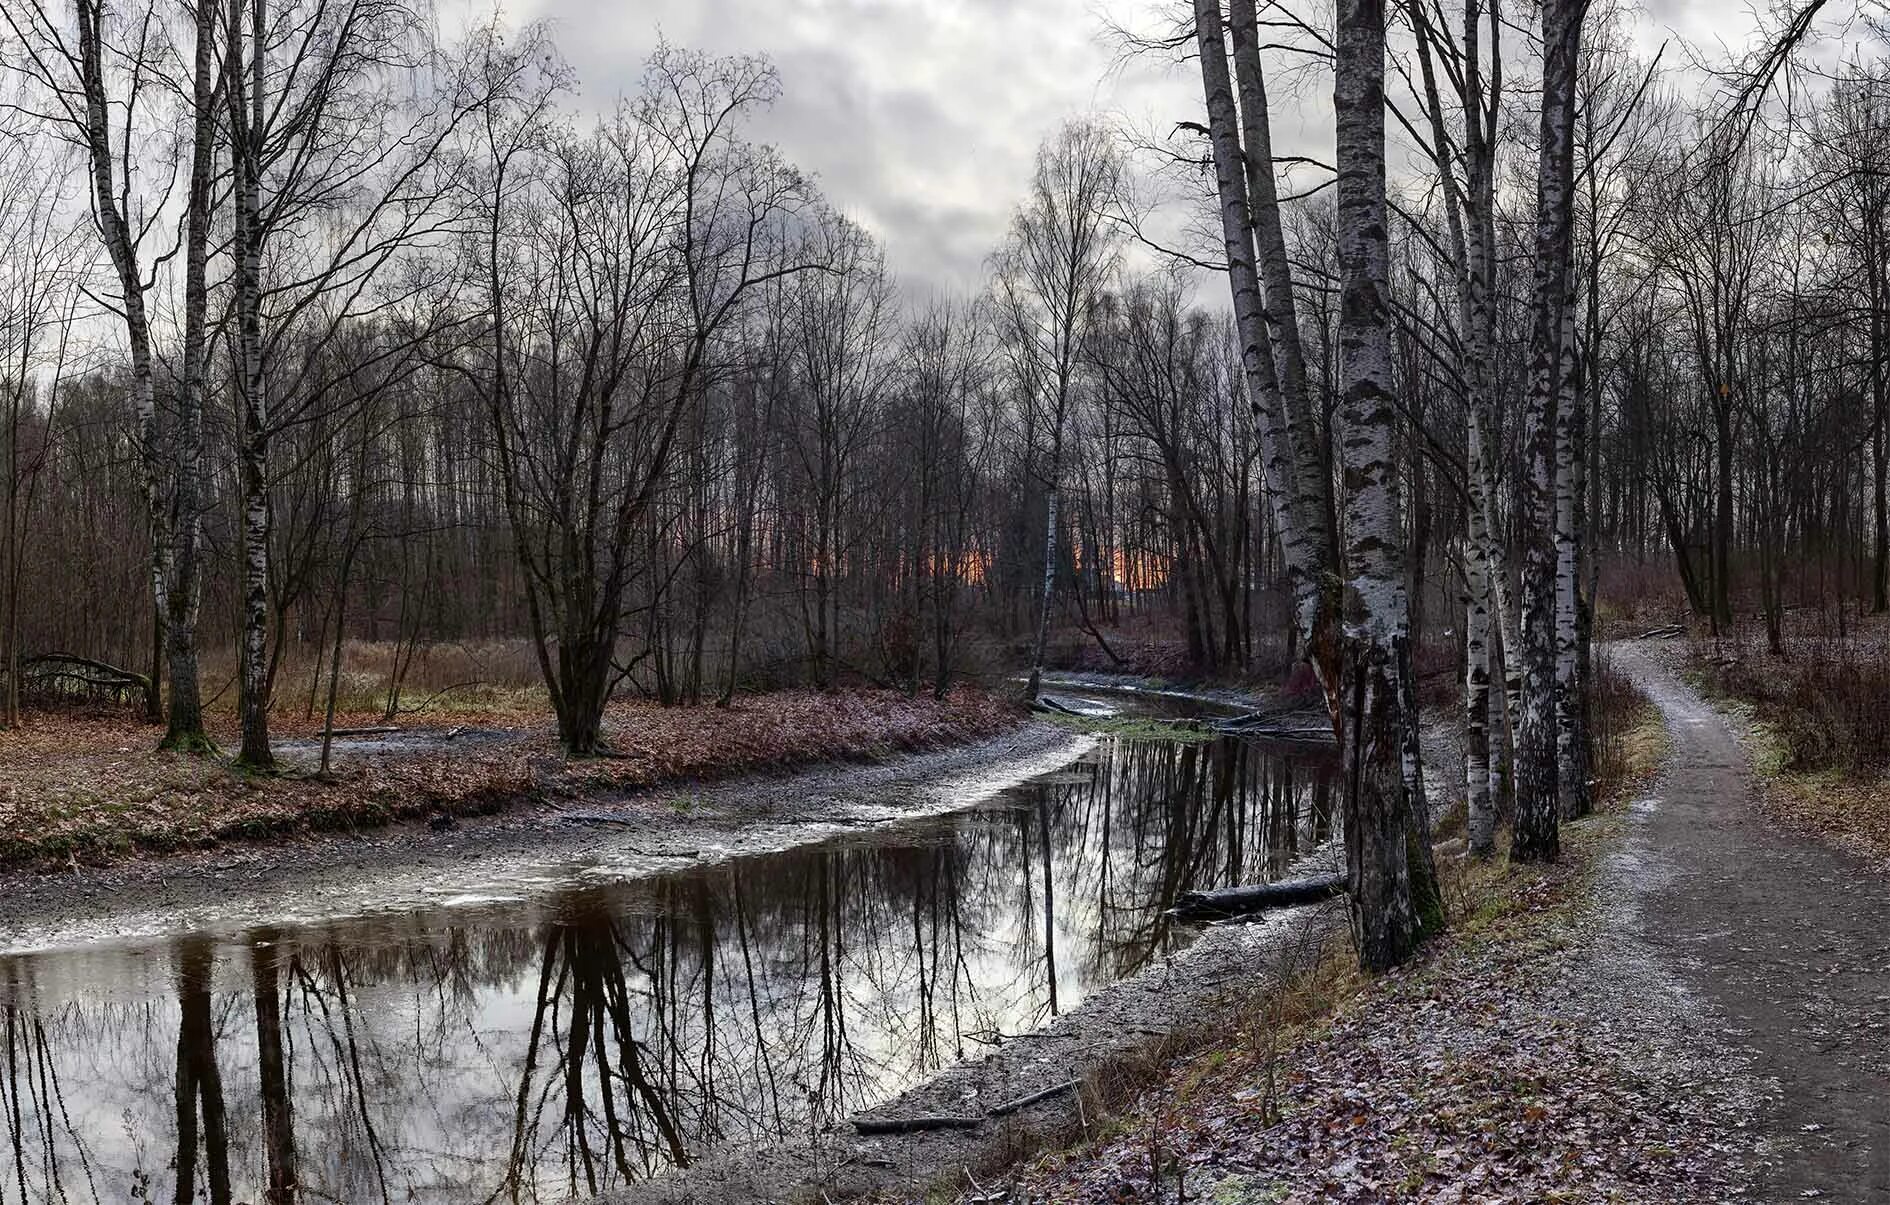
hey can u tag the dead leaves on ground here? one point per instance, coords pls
(1496, 1070)
(94, 786)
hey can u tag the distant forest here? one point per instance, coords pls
(317, 330)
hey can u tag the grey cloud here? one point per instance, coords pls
(919, 117)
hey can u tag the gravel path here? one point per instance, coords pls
(1783, 937)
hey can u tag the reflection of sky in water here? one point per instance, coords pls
(581, 1038)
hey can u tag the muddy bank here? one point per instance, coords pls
(621, 990)
(1074, 1073)
(600, 838)
(92, 788)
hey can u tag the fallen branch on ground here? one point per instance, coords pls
(1024, 1102)
(1239, 901)
(914, 1125)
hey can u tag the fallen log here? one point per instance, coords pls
(1024, 1102)
(1664, 632)
(377, 730)
(1277, 732)
(1239, 901)
(913, 1125)
(52, 678)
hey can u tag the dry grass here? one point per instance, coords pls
(487, 676)
(1820, 729)
(91, 786)
(1823, 702)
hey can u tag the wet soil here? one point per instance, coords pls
(1098, 1050)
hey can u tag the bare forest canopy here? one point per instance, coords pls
(316, 331)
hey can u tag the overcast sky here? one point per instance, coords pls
(920, 117)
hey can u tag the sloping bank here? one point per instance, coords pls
(1540, 1051)
(592, 837)
(1543, 1050)
(93, 789)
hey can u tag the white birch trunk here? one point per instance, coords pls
(1571, 742)
(1312, 482)
(121, 248)
(1470, 250)
(1049, 587)
(1387, 856)
(1537, 835)
(1306, 555)
(1479, 800)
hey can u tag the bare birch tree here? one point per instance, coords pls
(103, 89)
(1050, 275)
(1387, 843)
(1537, 835)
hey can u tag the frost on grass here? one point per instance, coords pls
(1535, 1054)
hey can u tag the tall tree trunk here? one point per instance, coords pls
(185, 731)
(1393, 893)
(1479, 805)
(1879, 445)
(1049, 583)
(1468, 218)
(1537, 834)
(1292, 470)
(1722, 506)
(1312, 483)
(121, 246)
(1571, 731)
(244, 83)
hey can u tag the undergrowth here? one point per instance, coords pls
(1823, 702)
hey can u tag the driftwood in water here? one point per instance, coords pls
(1298, 724)
(1082, 710)
(1239, 901)
(914, 1125)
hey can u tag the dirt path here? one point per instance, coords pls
(1786, 939)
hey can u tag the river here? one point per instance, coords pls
(586, 1033)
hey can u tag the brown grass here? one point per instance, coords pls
(1821, 730)
(1823, 702)
(91, 786)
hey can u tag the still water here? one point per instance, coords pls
(532, 1051)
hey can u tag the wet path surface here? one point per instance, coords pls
(586, 1033)
(1788, 939)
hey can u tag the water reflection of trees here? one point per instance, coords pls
(606, 1034)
